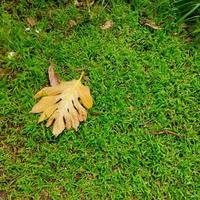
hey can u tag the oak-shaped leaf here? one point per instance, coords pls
(63, 105)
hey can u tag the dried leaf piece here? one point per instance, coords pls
(53, 77)
(3, 194)
(78, 3)
(31, 21)
(107, 25)
(151, 24)
(64, 105)
(4, 72)
(71, 23)
(83, 3)
(86, 78)
(44, 195)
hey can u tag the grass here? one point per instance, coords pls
(188, 12)
(142, 80)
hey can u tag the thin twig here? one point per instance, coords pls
(167, 132)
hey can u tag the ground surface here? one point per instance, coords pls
(142, 81)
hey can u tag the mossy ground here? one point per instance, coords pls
(142, 80)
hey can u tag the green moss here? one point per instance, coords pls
(142, 80)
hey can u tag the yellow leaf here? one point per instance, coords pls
(64, 105)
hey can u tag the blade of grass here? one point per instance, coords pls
(188, 13)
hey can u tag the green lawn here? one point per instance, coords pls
(142, 81)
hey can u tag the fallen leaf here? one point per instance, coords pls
(95, 113)
(1, 174)
(78, 70)
(31, 21)
(151, 24)
(188, 39)
(86, 78)
(62, 190)
(71, 23)
(64, 105)
(15, 153)
(53, 77)
(184, 26)
(77, 177)
(4, 72)
(44, 195)
(158, 183)
(131, 108)
(3, 194)
(83, 3)
(107, 25)
(78, 3)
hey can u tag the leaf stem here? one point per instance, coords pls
(81, 76)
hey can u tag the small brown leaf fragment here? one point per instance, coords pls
(3, 194)
(83, 3)
(4, 72)
(77, 177)
(167, 132)
(131, 108)
(31, 21)
(150, 24)
(95, 113)
(107, 25)
(188, 39)
(86, 78)
(62, 190)
(134, 198)
(79, 70)
(78, 4)
(44, 195)
(15, 153)
(71, 23)
(1, 173)
(158, 183)
(53, 77)
(184, 26)
(5, 146)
